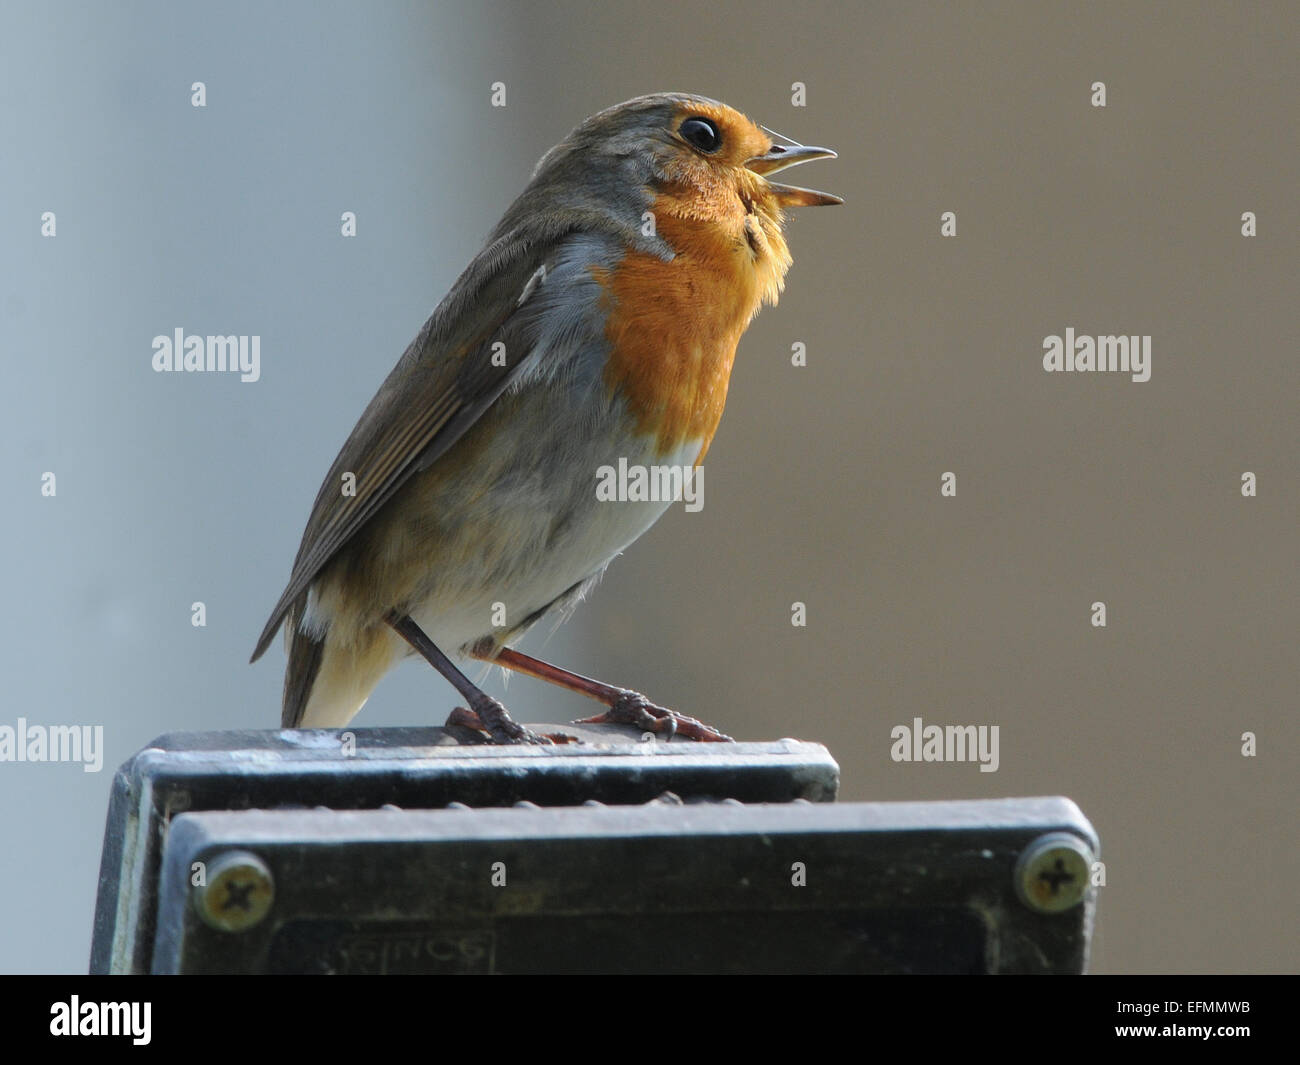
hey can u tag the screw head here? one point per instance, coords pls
(1053, 872)
(237, 892)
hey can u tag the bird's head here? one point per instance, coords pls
(710, 160)
(716, 151)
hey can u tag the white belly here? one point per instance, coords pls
(542, 541)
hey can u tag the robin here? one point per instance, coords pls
(599, 324)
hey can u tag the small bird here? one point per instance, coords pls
(599, 323)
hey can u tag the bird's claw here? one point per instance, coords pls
(633, 708)
(496, 722)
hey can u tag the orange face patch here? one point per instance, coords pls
(673, 326)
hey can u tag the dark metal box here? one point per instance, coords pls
(403, 851)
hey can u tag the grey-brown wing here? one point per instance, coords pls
(438, 389)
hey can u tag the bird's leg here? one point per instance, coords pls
(625, 707)
(485, 713)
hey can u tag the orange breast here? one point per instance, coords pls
(673, 326)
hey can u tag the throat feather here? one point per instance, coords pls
(673, 327)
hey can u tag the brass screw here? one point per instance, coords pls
(237, 892)
(1053, 872)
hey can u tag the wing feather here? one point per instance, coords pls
(438, 389)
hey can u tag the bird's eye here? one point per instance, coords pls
(701, 133)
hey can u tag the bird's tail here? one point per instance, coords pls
(305, 654)
(326, 682)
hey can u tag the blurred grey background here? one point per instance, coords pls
(924, 356)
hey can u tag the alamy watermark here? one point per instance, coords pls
(1100, 354)
(53, 743)
(919, 742)
(192, 353)
(75, 1017)
(634, 483)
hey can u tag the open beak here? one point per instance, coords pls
(780, 156)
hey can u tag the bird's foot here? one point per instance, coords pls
(491, 717)
(633, 708)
